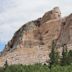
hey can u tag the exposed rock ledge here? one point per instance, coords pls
(32, 42)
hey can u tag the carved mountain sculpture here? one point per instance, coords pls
(32, 42)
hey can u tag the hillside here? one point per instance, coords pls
(32, 42)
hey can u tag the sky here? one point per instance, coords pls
(15, 13)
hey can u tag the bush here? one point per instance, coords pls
(36, 68)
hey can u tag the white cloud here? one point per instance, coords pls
(14, 13)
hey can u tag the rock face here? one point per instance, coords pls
(32, 42)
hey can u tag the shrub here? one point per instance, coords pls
(36, 68)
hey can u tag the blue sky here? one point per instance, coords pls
(14, 13)
(1, 46)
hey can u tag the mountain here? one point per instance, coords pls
(32, 42)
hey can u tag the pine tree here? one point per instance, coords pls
(64, 59)
(70, 57)
(54, 55)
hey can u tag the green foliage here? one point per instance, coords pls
(70, 57)
(64, 59)
(55, 59)
(54, 55)
(66, 62)
(36, 68)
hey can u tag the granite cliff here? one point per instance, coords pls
(32, 42)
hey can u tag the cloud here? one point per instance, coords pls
(14, 13)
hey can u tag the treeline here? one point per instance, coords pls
(56, 59)
(36, 68)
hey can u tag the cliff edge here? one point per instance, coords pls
(32, 42)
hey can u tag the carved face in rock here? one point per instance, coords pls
(56, 12)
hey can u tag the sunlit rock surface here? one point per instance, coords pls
(32, 42)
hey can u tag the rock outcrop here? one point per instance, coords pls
(32, 42)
